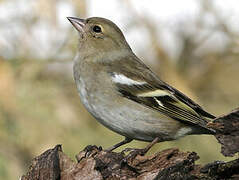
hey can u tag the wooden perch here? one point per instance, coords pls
(95, 163)
(227, 127)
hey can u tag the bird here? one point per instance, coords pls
(124, 94)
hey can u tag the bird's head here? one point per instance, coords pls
(99, 34)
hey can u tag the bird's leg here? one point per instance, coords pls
(149, 146)
(141, 152)
(125, 141)
(145, 150)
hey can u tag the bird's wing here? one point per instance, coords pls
(143, 86)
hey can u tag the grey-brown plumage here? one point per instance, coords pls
(123, 94)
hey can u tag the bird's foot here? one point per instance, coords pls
(89, 151)
(134, 152)
(132, 155)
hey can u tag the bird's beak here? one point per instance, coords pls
(77, 23)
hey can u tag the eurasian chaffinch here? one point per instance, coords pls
(124, 95)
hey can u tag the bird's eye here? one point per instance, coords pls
(97, 29)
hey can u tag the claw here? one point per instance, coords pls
(135, 152)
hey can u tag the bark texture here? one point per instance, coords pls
(95, 163)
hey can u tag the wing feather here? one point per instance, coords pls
(144, 87)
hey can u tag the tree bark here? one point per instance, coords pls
(95, 163)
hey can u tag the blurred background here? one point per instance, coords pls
(191, 44)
